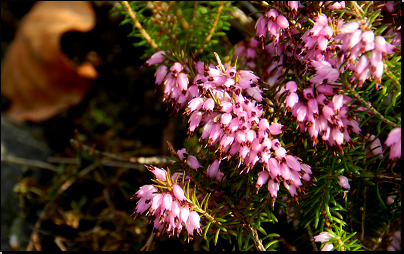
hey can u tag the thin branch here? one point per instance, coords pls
(212, 29)
(371, 108)
(183, 21)
(34, 238)
(256, 239)
(311, 238)
(132, 15)
(28, 162)
(387, 72)
(147, 245)
(193, 20)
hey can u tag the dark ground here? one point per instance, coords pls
(120, 114)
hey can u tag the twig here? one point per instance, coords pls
(371, 108)
(132, 15)
(311, 238)
(183, 21)
(390, 77)
(59, 242)
(288, 245)
(193, 20)
(256, 239)
(106, 162)
(147, 245)
(212, 29)
(34, 238)
(28, 162)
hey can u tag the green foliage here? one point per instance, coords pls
(171, 31)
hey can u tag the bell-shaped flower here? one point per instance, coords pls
(344, 182)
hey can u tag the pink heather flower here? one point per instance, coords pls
(262, 179)
(275, 128)
(209, 105)
(184, 214)
(294, 5)
(322, 237)
(395, 244)
(182, 81)
(176, 68)
(156, 202)
(194, 121)
(170, 210)
(182, 154)
(336, 6)
(375, 148)
(192, 162)
(383, 46)
(178, 192)
(343, 182)
(213, 169)
(349, 27)
(327, 247)
(156, 58)
(273, 188)
(390, 199)
(158, 172)
(394, 141)
(160, 74)
(282, 22)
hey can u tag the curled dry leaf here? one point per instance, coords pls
(38, 79)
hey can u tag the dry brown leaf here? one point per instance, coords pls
(38, 79)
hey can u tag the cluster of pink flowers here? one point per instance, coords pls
(177, 93)
(273, 23)
(240, 130)
(357, 40)
(167, 207)
(322, 116)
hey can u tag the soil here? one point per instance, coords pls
(121, 114)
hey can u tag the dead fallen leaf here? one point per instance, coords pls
(38, 79)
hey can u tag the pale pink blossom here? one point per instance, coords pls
(344, 182)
